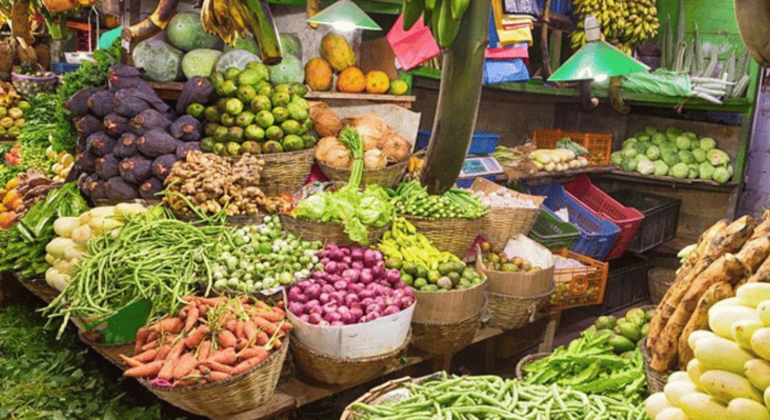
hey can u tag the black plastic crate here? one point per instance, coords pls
(661, 216)
(626, 284)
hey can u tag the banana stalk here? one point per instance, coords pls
(151, 26)
(265, 31)
(458, 101)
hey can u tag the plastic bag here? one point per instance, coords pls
(499, 71)
(660, 82)
(412, 47)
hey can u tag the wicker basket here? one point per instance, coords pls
(326, 232)
(110, 352)
(344, 371)
(445, 338)
(659, 280)
(501, 224)
(527, 360)
(655, 380)
(389, 176)
(512, 312)
(452, 235)
(238, 394)
(29, 86)
(231, 220)
(285, 172)
(41, 289)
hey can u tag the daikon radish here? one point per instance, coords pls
(717, 353)
(727, 386)
(744, 329)
(757, 371)
(656, 403)
(722, 318)
(752, 294)
(676, 390)
(745, 409)
(699, 406)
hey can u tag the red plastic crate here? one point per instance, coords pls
(628, 219)
(599, 145)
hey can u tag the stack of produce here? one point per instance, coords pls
(730, 374)
(412, 199)
(516, 160)
(492, 397)
(626, 331)
(673, 153)
(12, 120)
(504, 199)
(63, 163)
(625, 24)
(129, 138)
(68, 248)
(422, 266)
(210, 340)
(499, 261)
(353, 286)
(727, 254)
(263, 257)
(251, 115)
(11, 203)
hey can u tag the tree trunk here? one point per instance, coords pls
(458, 100)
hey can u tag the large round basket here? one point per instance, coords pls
(231, 220)
(40, 289)
(655, 380)
(326, 232)
(388, 176)
(344, 371)
(240, 393)
(110, 352)
(527, 360)
(512, 312)
(285, 172)
(445, 338)
(453, 235)
(659, 280)
(382, 394)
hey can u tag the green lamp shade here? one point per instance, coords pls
(344, 15)
(597, 60)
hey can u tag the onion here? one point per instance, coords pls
(370, 258)
(373, 308)
(408, 291)
(324, 323)
(325, 260)
(345, 250)
(337, 324)
(339, 297)
(331, 248)
(387, 291)
(357, 254)
(393, 276)
(379, 301)
(318, 275)
(293, 293)
(366, 294)
(296, 308)
(390, 310)
(333, 316)
(378, 271)
(406, 302)
(341, 267)
(357, 312)
(301, 298)
(337, 255)
(324, 298)
(323, 254)
(397, 294)
(313, 291)
(329, 307)
(355, 288)
(331, 267)
(348, 318)
(399, 285)
(315, 318)
(366, 276)
(304, 318)
(351, 275)
(358, 265)
(327, 288)
(372, 316)
(341, 285)
(366, 301)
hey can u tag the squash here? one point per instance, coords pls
(745, 409)
(337, 51)
(185, 31)
(319, 75)
(722, 354)
(727, 386)
(699, 406)
(160, 61)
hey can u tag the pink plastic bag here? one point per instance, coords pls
(414, 46)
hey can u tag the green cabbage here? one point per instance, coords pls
(673, 132)
(671, 158)
(721, 175)
(629, 143)
(653, 152)
(718, 157)
(616, 158)
(629, 165)
(661, 168)
(690, 135)
(707, 143)
(658, 138)
(651, 130)
(706, 171)
(680, 170)
(629, 153)
(641, 146)
(693, 171)
(699, 155)
(645, 167)
(682, 143)
(686, 156)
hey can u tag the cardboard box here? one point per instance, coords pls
(355, 341)
(452, 306)
(519, 283)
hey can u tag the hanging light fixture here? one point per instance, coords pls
(345, 16)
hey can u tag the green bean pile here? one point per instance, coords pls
(155, 256)
(491, 397)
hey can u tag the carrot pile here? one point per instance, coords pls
(211, 340)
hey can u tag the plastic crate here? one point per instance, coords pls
(63, 67)
(626, 284)
(599, 145)
(661, 217)
(467, 182)
(596, 234)
(552, 232)
(481, 144)
(578, 286)
(627, 219)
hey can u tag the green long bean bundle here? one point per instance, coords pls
(155, 256)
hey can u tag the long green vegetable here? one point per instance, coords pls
(354, 142)
(491, 397)
(411, 198)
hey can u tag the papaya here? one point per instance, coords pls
(337, 51)
(351, 80)
(319, 74)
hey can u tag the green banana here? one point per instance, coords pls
(459, 7)
(430, 4)
(427, 16)
(448, 26)
(412, 11)
(435, 21)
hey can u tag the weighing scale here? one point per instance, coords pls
(478, 166)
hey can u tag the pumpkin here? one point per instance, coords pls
(351, 80)
(377, 82)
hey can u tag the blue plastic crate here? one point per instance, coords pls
(63, 67)
(467, 182)
(482, 143)
(596, 235)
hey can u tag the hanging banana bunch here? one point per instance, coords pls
(441, 16)
(229, 19)
(625, 23)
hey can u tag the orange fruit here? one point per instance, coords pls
(377, 82)
(351, 80)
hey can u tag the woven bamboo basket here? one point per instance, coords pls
(501, 224)
(445, 338)
(231, 220)
(512, 312)
(344, 371)
(6, 57)
(655, 380)
(379, 394)
(452, 235)
(659, 281)
(389, 176)
(326, 232)
(527, 360)
(243, 392)
(110, 352)
(41, 289)
(285, 172)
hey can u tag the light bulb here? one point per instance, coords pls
(600, 78)
(344, 26)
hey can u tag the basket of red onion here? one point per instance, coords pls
(351, 318)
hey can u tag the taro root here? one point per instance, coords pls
(86, 162)
(198, 89)
(88, 124)
(84, 180)
(120, 190)
(126, 146)
(147, 120)
(149, 188)
(100, 143)
(122, 76)
(100, 103)
(97, 189)
(129, 106)
(135, 169)
(186, 128)
(185, 148)
(144, 91)
(115, 125)
(107, 167)
(77, 104)
(157, 142)
(161, 166)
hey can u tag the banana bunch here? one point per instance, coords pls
(441, 16)
(625, 23)
(227, 19)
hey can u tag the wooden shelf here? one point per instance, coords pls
(670, 181)
(591, 170)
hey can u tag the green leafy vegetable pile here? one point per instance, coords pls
(412, 198)
(90, 75)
